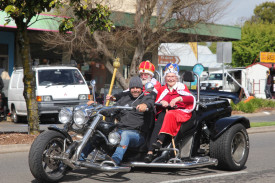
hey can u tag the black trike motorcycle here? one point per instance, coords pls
(211, 137)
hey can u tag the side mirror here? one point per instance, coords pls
(149, 87)
(93, 82)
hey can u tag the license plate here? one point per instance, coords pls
(203, 88)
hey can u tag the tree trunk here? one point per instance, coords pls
(29, 82)
(137, 58)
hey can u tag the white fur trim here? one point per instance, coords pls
(153, 81)
(163, 94)
(180, 88)
(146, 71)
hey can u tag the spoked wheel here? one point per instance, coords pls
(42, 163)
(231, 148)
(238, 146)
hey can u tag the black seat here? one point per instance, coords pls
(187, 127)
(188, 76)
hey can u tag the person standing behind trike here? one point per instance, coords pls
(268, 85)
(4, 85)
(168, 122)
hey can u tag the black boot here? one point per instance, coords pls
(157, 145)
(148, 158)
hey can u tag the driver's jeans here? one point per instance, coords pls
(129, 138)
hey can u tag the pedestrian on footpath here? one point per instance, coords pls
(268, 85)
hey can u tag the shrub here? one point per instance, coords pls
(252, 105)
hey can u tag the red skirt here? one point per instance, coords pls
(173, 120)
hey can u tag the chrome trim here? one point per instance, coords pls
(99, 167)
(197, 162)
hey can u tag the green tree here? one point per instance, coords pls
(264, 12)
(96, 17)
(256, 38)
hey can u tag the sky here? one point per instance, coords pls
(239, 10)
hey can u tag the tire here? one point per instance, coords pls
(46, 169)
(14, 117)
(231, 148)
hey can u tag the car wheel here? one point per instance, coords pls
(231, 148)
(14, 117)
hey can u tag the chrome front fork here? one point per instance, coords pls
(87, 136)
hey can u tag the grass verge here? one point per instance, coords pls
(260, 124)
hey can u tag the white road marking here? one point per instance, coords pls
(204, 177)
(267, 113)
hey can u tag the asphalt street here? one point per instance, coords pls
(9, 127)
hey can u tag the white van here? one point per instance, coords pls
(215, 80)
(56, 86)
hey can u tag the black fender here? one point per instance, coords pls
(64, 132)
(223, 124)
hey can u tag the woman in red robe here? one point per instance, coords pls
(168, 122)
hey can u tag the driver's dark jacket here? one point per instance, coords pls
(133, 119)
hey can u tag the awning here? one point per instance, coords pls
(45, 23)
(205, 32)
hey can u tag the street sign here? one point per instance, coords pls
(268, 57)
(163, 59)
(224, 52)
(198, 69)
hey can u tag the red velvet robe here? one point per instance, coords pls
(174, 118)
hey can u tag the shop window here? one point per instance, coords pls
(4, 58)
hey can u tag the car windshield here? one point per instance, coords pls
(215, 77)
(60, 77)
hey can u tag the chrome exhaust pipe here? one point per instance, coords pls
(106, 166)
(183, 164)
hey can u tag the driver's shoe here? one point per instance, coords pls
(157, 145)
(148, 158)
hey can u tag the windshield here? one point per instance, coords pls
(215, 76)
(60, 77)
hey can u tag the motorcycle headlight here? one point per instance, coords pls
(80, 117)
(114, 138)
(65, 115)
(80, 107)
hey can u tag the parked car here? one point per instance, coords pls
(56, 87)
(215, 80)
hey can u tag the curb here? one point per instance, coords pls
(14, 148)
(26, 147)
(261, 129)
